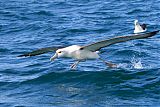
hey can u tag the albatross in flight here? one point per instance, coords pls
(86, 52)
(139, 28)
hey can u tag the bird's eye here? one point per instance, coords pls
(59, 52)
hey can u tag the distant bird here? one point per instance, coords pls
(86, 52)
(139, 28)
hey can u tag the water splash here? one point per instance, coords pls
(133, 64)
(122, 65)
(137, 63)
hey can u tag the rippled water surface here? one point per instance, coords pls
(36, 82)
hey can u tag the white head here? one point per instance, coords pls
(65, 52)
(59, 53)
(135, 22)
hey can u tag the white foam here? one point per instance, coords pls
(137, 64)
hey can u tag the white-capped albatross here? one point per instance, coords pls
(86, 52)
(139, 28)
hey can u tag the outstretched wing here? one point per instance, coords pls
(98, 45)
(40, 51)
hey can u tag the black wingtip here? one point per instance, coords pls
(20, 56)
(155, 32)
(24, 55)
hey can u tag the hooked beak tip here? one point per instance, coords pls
(53, 57)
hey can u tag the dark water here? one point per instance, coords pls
(36, 82)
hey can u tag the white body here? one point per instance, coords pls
(138, 28)
(75, 52)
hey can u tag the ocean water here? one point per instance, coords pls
(27, 25)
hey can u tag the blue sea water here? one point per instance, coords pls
(27, 25)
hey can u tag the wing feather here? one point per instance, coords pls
(98, 45)
(40, 51)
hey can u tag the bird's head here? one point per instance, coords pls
(136, 21)
(59, 53)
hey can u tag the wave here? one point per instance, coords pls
(42, 12)
(4, 50)
(105, 76)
